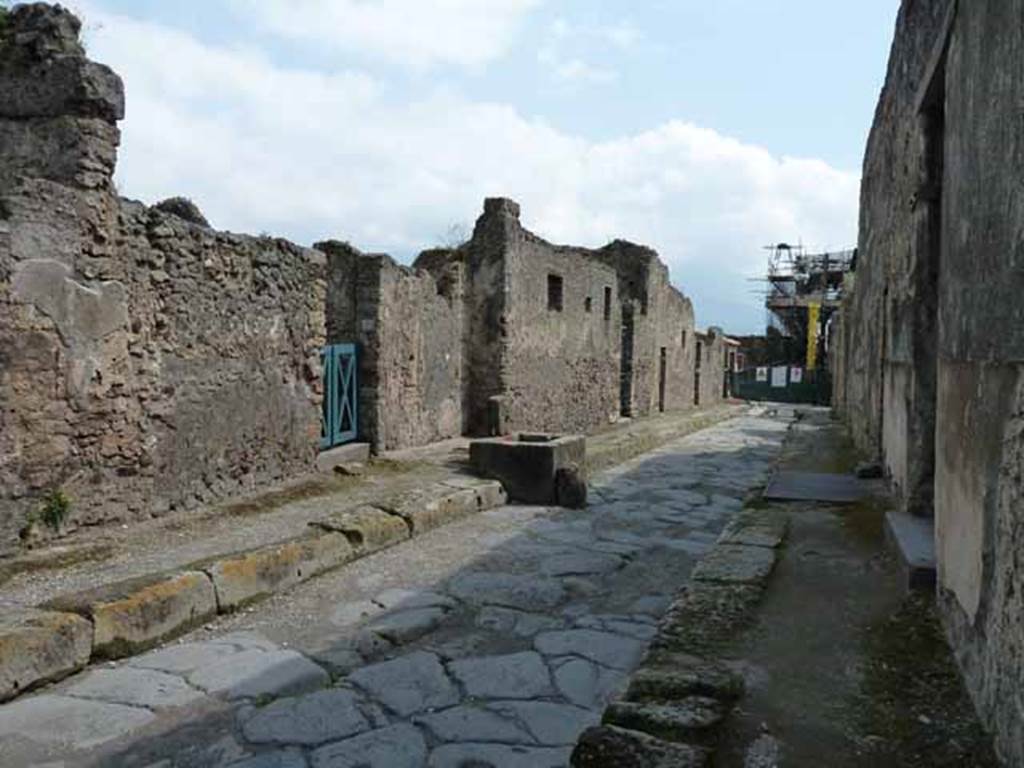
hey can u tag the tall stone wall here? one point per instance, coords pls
(711, 381)
(932, 335)
(147, 363)
(662, 319)
(561, 368)
(408, 325)
(560, 365)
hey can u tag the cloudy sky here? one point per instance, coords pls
(704, 129)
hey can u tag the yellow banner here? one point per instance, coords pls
(813, 313)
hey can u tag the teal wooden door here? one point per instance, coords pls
(339, 418)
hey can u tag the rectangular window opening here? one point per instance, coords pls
(607, 303)
(555, 293)
(588, 305)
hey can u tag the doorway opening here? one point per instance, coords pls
(662, 372)
(921, 480)
(626, 369)
(696, 372)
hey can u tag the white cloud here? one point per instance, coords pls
(564, 48)
(574, 70)
(623, 35)
(417, 33)
(311, 155)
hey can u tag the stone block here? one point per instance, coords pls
(606, 746)
(666, 676)
(133, 615)
(489, 493)
(368, 529)
(433, 507)
(731, 564)
(705, 615)
(756, 528)
(38, 647)
(442, 503)
(527, 464)
(571, 487)
(684, 720)
(255, 673)
(353, 453)
(250, 576)
(913, 540)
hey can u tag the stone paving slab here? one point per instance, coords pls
(475, 754)
(818, 486)
(135, 687)
(58, 721)
(397, 746)
(515, 676)
(253, 674)
(321, 717)
(409, 684)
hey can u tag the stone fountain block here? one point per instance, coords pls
(526, 464)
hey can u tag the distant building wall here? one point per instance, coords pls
(147, 363)
(930, 367)
(529, 335)
(661, 319)
(560, 360)
(713, 359)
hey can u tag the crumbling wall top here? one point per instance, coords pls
(44, 71)
(501, 206)
(184, 209)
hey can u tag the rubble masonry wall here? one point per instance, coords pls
(147, 363)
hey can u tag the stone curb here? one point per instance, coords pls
(38, 647)
(135, 615)
(261, 572)
(679, 695)
(624, 447)
(124, 618)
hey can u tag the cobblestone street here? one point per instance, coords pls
(493, 641)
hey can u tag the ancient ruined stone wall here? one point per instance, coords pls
(146, 363)
(712, 366)
(408, 325)
(560, 365)
(968, 67)
(672, 330)
(559, 368)
(662, 319)
(486, 322)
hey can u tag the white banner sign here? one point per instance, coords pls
(762, 374)
(779, 376)
(796, 375)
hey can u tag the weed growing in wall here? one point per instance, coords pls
(54, 509)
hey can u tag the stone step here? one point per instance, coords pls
(913, 540)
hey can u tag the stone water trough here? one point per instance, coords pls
(535, 468)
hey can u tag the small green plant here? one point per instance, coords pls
(54, 509)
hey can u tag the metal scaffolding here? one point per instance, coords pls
(802, 291)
